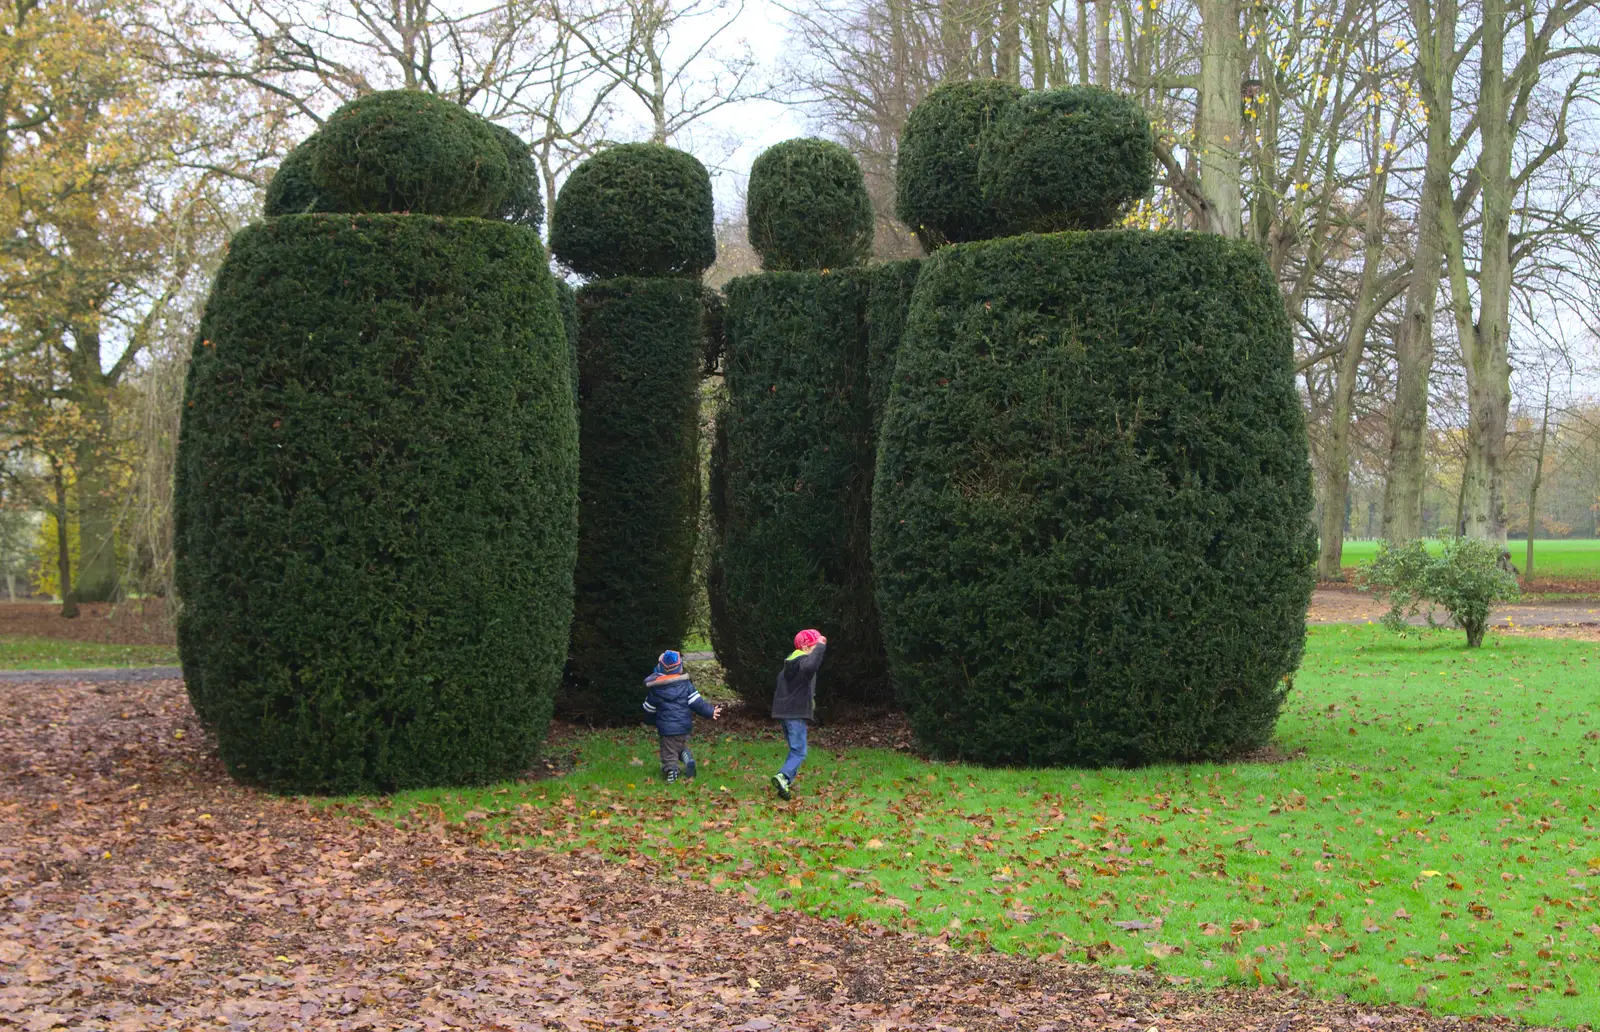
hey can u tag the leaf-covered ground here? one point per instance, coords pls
(1428, 834)
(141, 890)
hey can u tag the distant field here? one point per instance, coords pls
(1578, 559)
(20, 652)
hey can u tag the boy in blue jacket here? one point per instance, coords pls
(672, 704)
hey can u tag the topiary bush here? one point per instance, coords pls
(639, 356)
(376, 503)
(292, 190)
(1069, 158)
(937, 191)
(807, 207)
(522, 202)
(1091, 515)
(793, 479)
(405, 151)
(639, 209)
(889, 287)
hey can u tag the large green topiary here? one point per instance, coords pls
(376, 503)
(1091, 531)
(937, 192)
(793, 480)
(807, 207)
(1069, 158)
(522, 202)
(405, 151)
(639, 357)
(639, 209)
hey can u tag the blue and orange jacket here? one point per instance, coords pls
(673, 702)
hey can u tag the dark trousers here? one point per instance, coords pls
(673, 748)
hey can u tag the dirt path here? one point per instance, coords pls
(1346, 605)
(142, 890)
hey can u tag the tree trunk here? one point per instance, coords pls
(69, 599)
(1219, 128)
(1485, 341)
(1102, 42)
(1080, 41)
(1533, 485)
(1009, 59)
(1408, 434)
(94, 478)
(1336, 462)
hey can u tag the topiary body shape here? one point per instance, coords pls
(376, 502)
(1090, 528)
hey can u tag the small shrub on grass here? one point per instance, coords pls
(1466, 579)
(808, 207)
(937, 191)
(406, 151)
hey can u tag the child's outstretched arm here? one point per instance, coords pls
(650, 707)
(701, 705)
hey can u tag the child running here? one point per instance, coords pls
(672, 704)
(795, 702)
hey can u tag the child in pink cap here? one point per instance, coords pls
(794, 703)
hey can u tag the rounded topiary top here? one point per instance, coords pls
(404, 151)
(1067, 158)
(808, 207)
(522, 203)
(639, 209)
(936, 175)
(292, 191)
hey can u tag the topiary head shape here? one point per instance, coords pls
(638, 209)
(292, 190)
(937, 192)
(522, 203)
(1068, 158)
(404, 151)
(808, 207)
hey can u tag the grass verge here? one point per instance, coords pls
(1434, 842)
(1574, 558)
(30, 653)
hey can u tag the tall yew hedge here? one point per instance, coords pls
(376, 505)
(1091, 525)
(638, 218)
(793, 458)
(377, 493)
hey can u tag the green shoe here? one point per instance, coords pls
(782, 784)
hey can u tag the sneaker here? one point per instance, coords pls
(687, 759)
(782, 784)
(672, 777)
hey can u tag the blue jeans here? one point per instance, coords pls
(795, 732)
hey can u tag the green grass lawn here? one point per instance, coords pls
(1436, 842)
(1578, 559)
(29, 653)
